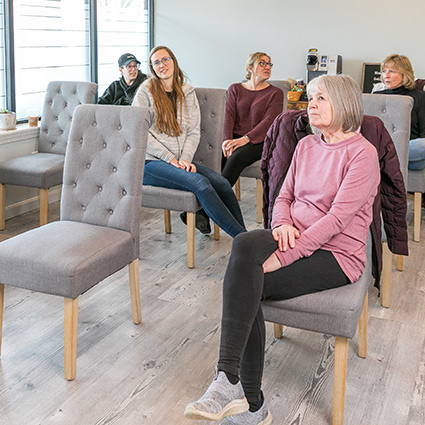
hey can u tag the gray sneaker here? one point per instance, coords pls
(221, 399)
(260, 417)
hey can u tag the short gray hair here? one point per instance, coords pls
(345, 98)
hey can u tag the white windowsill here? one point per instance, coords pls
(22, 132)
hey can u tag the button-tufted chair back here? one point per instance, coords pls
(212, 103)
(103, 174)
(62, 97)
(394, 111)
(284, 86)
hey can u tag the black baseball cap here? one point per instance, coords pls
(126, 58)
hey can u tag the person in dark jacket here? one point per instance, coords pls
(122, 91)
(398, 77)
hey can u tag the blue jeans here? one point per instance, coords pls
(416, 154)
(213, 191)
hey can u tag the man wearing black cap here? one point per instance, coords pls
(122, 91)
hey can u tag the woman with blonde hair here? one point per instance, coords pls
(174, 138)
(320, 224)
(398, 76)
(251, 108)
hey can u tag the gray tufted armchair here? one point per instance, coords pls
(212, 105)
(253, 170)
(44, 169)
(98, 232)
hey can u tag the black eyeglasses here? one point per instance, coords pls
(264, 64)
(164, 61)
(132, 66)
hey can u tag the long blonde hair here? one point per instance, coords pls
(166, 115)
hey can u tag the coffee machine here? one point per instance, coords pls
(322, 64)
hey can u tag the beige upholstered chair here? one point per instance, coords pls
(98, 231)
(212, 105)
(335, 312)
(44, 169)
(253, 170)
(394, 111)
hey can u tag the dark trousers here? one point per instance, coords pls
(232, 167)
(245, 286)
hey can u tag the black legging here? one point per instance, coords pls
(242, 157)
(245, 286)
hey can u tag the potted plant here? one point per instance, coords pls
(7, 120)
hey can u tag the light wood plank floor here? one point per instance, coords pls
(146, 374)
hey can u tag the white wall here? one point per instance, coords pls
(212, 39)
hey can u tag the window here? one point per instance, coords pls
(2, 60)
(56, 40)
(51, 43)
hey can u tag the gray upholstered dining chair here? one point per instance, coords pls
(416, 184)
(254, 170)
(212, 105)
(98, 230)
(394, 111)
(338, 312)
(44, 169)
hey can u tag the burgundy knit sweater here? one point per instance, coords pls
(251, 112)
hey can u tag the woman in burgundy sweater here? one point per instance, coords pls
(317, 242)
(251, 109)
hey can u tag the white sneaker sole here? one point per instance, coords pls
(235, 407)
(267, 421)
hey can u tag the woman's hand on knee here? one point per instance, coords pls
(285, 236)
(271, 264)
(229, 146)
(184, 165)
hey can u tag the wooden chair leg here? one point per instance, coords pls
(44, 206)
(237, 189)
(363, 329)
(216, 232)
(133, 272)
(2, 206)
(259, 200)
(1, 312)
(167, 221)
(386, 276)
(70, 337)
(278, 330)
(400, 263)
(417, 216)
(190, 231)
(340, 372)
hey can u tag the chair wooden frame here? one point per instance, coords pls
(341, 354)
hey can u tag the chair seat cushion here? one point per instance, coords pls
(64, 258)
(42, 170)
(169, 199)
(253, 170)
(334, 311)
